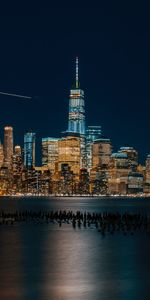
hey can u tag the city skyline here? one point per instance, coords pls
(77, 121)
(76, 94)
(37, 58)
(80, 161)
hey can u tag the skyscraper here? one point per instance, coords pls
(17, 160)
(69, 153)
(92, 133)
(132, 156)
(29, 149)
(8, 146)
(50, 153)
(101, 153)
(76, 122)
(17, 167)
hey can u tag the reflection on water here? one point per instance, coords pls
(49, 262)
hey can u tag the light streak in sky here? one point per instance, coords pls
(15, 95)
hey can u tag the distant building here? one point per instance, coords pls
(50, 153)
(146, 175)
(119, 160)
(17, 150)
(17, 167)
(29, 149)
(101, 153)
(135, 183)
(92, 133)
(43, 177)
(132, 156)
(17, 159)
(8, 146)
(1, 155)
(5, 182)
(17, 163)
(147, 170)
(69, 153)
(119, 169)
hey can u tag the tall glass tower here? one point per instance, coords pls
(76, 122)
(29, 149)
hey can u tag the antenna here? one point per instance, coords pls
(77, 73)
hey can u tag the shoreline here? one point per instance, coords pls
(76, 196)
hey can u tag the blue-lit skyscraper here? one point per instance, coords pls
(29, 149)
(76, 122)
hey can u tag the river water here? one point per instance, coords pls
(45, 261)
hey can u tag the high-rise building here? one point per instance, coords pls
(69, 153)
(101, 152)
(135, 183)
(50, 153)
(1, 155)
(76, 122)
(119, 170)
(132, 156)
(147, 170)
(17, 161)
(8, 146)
(17, 167)
(92, 133)
(119, 160)
(17, 150)
(29, 149)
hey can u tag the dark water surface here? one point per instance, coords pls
(45, 261)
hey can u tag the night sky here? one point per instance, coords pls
(37, 58)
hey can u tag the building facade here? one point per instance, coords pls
(119, 169)
(8, 146)
(92, 133)
(101, 153)
(147, 170)
(29, 150)
(50, 153)
(132, 156)
(17, 167)
(1, 155)
(69, 150)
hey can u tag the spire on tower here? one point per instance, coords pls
(77, 73)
